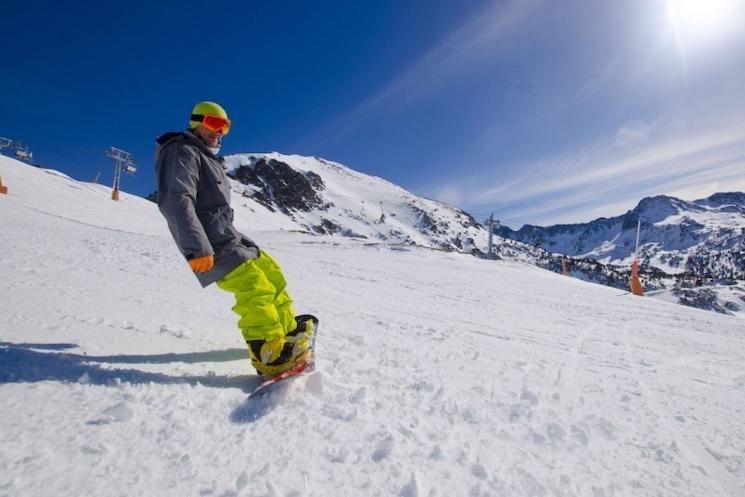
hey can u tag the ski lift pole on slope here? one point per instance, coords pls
(123, 161)
(491, 223)
(5, 143)
(635, 283)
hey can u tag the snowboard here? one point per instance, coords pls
(300, 369)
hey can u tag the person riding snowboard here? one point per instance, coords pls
(194, 197)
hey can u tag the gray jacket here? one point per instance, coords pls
(194, 197)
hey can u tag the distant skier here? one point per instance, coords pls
(194, 197)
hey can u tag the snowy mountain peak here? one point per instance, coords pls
(702, 236)
(733, 199)
(657, 209)
(319, 196)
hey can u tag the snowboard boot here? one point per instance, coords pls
(273, 357)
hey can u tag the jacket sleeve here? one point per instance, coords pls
(178, 177)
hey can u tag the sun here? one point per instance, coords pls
(702, 19)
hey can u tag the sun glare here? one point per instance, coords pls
(703, 18)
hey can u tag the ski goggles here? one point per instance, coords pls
(215, 124)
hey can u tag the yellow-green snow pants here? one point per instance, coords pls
(262, 302)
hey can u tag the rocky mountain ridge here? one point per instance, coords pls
(327, 198)
(704, 238)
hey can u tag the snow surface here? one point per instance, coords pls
(440, 374)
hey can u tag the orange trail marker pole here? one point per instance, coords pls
(3, 188)
(635, 283)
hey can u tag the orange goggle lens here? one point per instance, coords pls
(215, 124)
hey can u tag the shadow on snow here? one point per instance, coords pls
(254, 408)
(28, 363)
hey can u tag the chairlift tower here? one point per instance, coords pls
(491, 222)
(123, 162)
(5, 143)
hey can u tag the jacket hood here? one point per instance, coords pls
(187, 136)
(167, 137)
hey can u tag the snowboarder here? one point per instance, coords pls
(194, 197)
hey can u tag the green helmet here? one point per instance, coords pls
(207, 109)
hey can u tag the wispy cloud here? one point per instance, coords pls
(598, 180)
(689, 141)
(646, 131)
(467, 49)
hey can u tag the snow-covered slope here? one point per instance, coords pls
(701, 237)
(440, 374)
(319, 196)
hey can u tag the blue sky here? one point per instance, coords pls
(540, 111)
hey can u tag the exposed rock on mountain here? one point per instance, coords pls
(277, 184)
